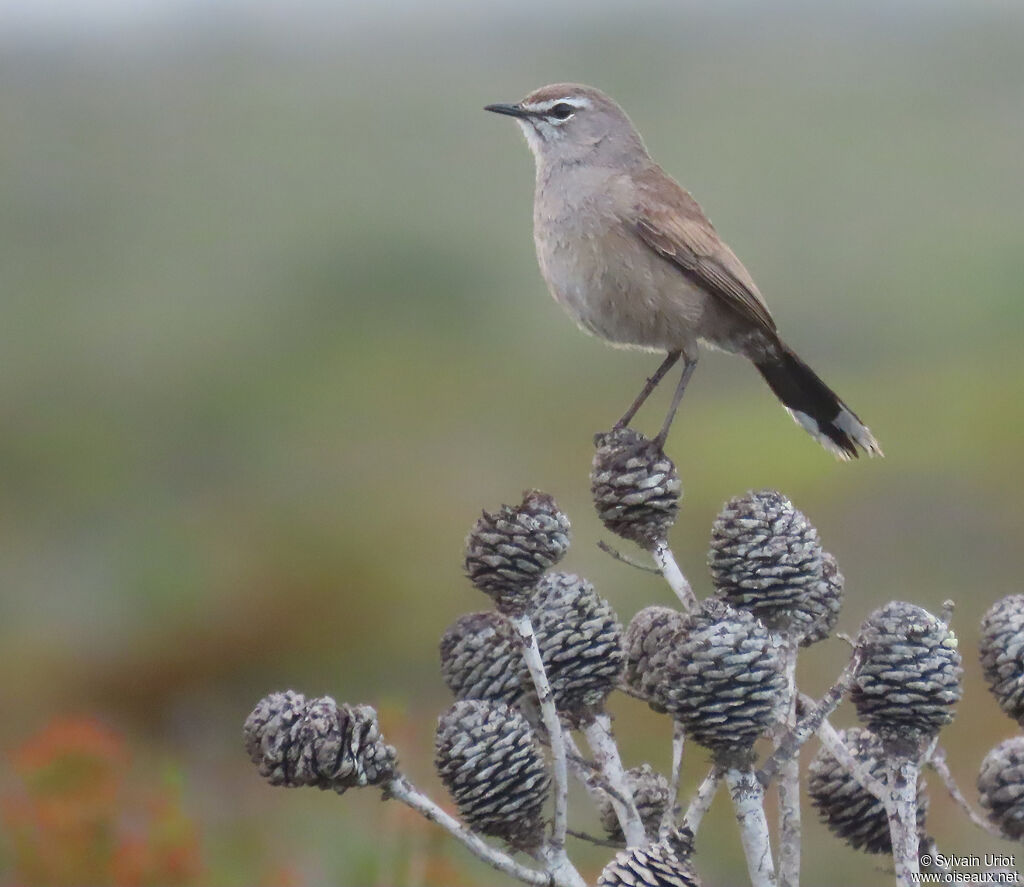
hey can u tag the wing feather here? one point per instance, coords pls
(672, 224)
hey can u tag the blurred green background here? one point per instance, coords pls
(273, 333)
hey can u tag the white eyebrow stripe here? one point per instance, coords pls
(544, 107)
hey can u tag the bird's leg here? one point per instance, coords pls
(652, 383)
(689, 365)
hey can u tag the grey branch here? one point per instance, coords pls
(666, 562)
(901, 808)
(837, 748)
(402, 790)
(589, 775)
(678, 745)
(701, 802)
(599, 737)
(748, 802)
(532, 658)
(789, 777)
(812, 721)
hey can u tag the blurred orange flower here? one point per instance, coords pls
(67, 820)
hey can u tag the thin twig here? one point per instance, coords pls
(748, 802)
(701, 802)
(575, 757)
(937, 761)
(946, 613)
(593, 839)
(668, 819)
(619, 556)
(623, 687)
(843, 636)
(535, 665)
(809, 724)
(666, 562)
(598, 731)
(402, 790)
(901, 808)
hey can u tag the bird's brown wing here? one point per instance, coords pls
(671, 223)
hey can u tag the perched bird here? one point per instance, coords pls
(632, 257)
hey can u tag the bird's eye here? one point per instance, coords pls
(562, 111)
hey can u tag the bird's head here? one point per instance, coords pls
(572, 123)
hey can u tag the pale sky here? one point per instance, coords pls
(100, 18)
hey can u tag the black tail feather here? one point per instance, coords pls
(815, 406)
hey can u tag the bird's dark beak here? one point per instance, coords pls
(509, 110)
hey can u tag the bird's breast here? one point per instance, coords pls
(609, 281)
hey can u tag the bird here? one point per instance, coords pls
(634, 260)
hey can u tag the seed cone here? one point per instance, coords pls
(580, 641)
(507, 551)
(662, 864)
(1001, 647)
(849, 810)
(765, 557)
(635, 486)
(271, 736)
(824, 601)
(722, 679)
(491, 764)
(299, 742)
(910, 680)
(650, 791)
(647, 641)
(1001, 786)
(480, 659)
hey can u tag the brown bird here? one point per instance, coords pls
(633, 259)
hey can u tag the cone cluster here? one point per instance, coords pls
(507, 551)
(650, 792)
(493, 767)
(1002, 654)
(910, 679)
(298, 742)
(662, 864)
(580, 642)
(765, 557)
(480, 659)
(1001, 786)
(635, 486)
(647, 641)
(817, 619)
(849, 810)
(722, 679)
(1001, 779)
(718, 671)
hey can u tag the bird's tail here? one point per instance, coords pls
(814, 405)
